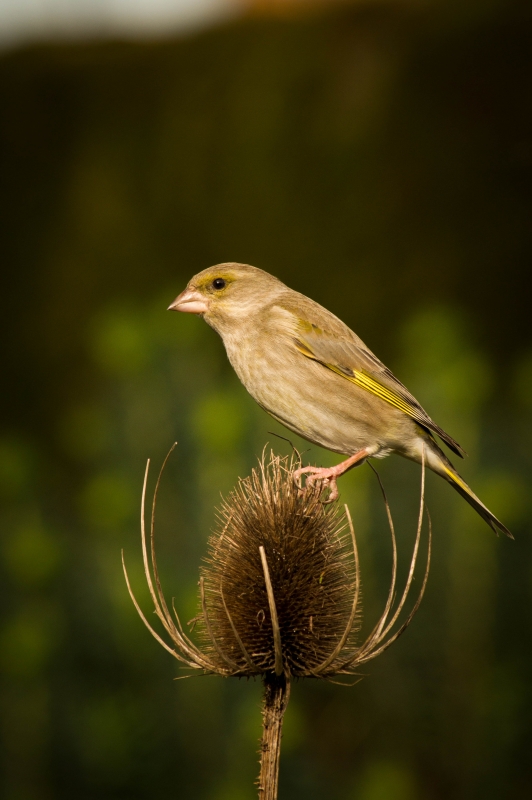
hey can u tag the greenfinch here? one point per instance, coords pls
(307, 369)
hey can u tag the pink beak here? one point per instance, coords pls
(190, 301)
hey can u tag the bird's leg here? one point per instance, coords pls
(329, 475)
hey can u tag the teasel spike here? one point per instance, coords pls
(163, 612)
(408, 584)
(145, 621)
(237, 636)
(194, 657)
(273, 614)
(228, 661)
(416, 605)
(337, 650)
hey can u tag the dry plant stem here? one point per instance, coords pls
(275, 700)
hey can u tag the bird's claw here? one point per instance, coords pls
(315, 474)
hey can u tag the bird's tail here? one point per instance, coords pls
(438, 462)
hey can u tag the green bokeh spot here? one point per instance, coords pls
(26, 642)
(120, 343)
(16, 466)
(508, 496)
(435, 335)
(523, 383)
(32, 554)
(232, 789)
(440, 364)
(108, 501)
(84, 431)
(219, 421)
(386, 780)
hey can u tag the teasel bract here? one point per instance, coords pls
(279, 594)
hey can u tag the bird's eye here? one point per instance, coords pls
(218, 283)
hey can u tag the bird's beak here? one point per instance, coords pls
(190, 301)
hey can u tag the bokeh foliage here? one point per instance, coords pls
(376, 158)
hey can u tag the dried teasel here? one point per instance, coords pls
(280, 586)
(279, 594)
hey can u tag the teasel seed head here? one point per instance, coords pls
(279, 592)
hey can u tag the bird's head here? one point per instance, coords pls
(227, 294)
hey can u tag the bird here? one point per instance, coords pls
(313, 374)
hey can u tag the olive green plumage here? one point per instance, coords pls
(307, 369)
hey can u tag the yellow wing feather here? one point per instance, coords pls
(365, 380)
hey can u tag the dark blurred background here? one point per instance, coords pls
(377, 157)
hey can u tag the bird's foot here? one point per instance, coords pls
(328, 475)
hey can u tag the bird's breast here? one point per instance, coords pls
(308, 398)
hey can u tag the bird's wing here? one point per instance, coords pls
(350, 358)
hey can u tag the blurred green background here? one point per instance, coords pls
(377, 158)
